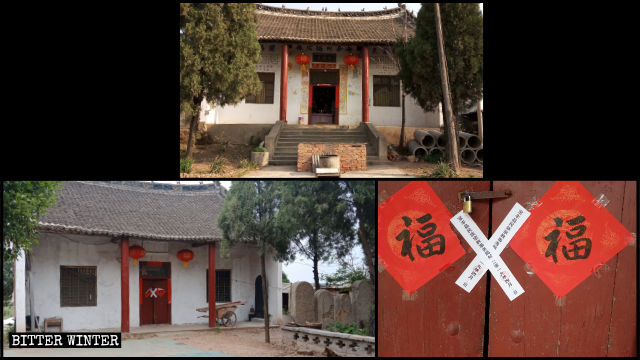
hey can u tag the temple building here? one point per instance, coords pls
(322, 67)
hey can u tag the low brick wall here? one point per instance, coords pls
(353, 157)
(317, 341)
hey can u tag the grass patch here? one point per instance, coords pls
(434, 158)
(217, 166)
(185, 165)
(348, 328)
(249, 165)
(443, 170)
(260, 149)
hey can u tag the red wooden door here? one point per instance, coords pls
(440, 318)
(597, 318)
(155, 302)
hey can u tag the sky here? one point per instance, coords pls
(348, 7)
(301, 269)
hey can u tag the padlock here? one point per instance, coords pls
(466, 205)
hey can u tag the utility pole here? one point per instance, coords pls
(452, 143)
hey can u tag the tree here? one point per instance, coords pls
(218, 52)
(285, 279)
(462, 29)
(401, 42)
(318, 220)
(361, 196)
(7, 280)
(347, 273)
(452, 134)
(23, 203)
(251, 213)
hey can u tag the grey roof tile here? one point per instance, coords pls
(136, 209)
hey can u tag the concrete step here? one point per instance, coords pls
(283, 162)
(295, 142)
(313, 137)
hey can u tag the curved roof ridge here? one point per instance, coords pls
(168, 189)
(289, 11)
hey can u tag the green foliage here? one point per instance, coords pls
(352, 328)
(254, 141)
(7, 280)
(185, 165)
(345, 276)
(463, 41)
(249, 165)
(361, 195)
(251, 212)
(260, 149)
(23, 203)
(217, 165)
(318, 220)
(218, 52)
(285, 279)
(433, 158)
(443, 170)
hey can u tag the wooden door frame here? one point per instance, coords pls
(149, 277)
(336, 114)
(336, 117)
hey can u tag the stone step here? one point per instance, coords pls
(283, 162)
(319, 141)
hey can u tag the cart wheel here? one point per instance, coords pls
(229, 319)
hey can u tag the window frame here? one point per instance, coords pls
(389, 86)
(253, 99)
(218, 283)
(95, 286)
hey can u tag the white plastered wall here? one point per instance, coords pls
(188, 285)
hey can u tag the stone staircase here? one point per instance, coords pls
(286, 152)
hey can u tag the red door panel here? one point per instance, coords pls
(155, 302)
(537, 323)
(438, 319)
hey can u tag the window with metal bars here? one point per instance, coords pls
(78, 286)
(386, 90)
(223, 285)
(265, 94)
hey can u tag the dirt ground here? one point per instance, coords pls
(241, 342)
(426, 169)
(237, 342)
(204, 155)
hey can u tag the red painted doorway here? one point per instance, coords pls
(155, 293)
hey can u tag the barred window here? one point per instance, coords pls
(386, 90)
(223, 285)
(265, 94)
(78, 286)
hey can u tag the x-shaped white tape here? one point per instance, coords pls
(489, 250)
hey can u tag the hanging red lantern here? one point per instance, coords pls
(351, 60)
(185, 255)
(136, 252)
(302, 60)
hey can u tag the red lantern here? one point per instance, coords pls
(302, 60)
(185, 255)
(136, 252)
(351, 60)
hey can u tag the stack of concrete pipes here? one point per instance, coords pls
(433, 143)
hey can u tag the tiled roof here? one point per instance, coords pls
(347, 27)
(138, 210)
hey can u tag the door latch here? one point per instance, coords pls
(480, 195)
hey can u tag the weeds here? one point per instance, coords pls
(443, 170)
(185, 165)
(217, 166)
(352, 328)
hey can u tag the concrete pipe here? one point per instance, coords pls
(479, 155)
(468, 140)
(416, 149)
(436, 152)
(425, 138)
(442, 141)
(468, 156)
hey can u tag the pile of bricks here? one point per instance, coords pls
(353, 157)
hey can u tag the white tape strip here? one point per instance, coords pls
(489, 251)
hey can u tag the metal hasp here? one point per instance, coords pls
(479, 195)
